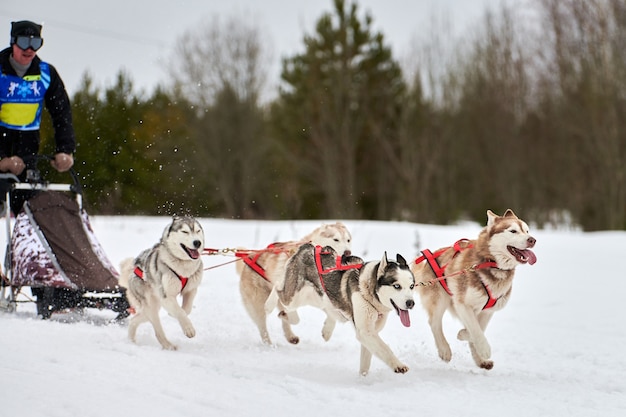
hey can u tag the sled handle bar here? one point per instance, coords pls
(38, 184)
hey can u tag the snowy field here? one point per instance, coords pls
(558, 346)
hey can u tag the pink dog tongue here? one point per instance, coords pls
(530, 255)
(405, 318)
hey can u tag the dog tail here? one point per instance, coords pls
(126, 269)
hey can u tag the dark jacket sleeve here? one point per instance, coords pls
(59, 107)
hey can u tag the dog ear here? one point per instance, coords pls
(166, 231)
(382, 266)
(491, 218)
(400, 259)
(509, 213)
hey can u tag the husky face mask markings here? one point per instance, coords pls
(395, 288)
(480, 281)
(189, 234)
(510, 240)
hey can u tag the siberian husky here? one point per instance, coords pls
(157, 276)
(474, 281)
(258, 272)
(348, 290)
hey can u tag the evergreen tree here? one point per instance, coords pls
(336, 119)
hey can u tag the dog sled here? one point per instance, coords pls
(51, 249)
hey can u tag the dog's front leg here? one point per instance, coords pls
(481, 351)
(171, 306)
(435, 317)
(372, 343)
(366, 360)
(483, 320)
(368, 322)
(188, 298)
(329, 327)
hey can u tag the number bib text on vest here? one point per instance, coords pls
(21, 99)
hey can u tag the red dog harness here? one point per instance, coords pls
(439, 270)
(253, 261)
(183, 280)
(338, 265)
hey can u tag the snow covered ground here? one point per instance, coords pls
(558, 346)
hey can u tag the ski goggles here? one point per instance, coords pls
(32, 42)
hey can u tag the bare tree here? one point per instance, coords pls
(587, 40)
(220, 68)
(224, 52)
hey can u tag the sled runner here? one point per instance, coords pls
(53, 250)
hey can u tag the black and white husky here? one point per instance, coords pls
(157, 277)
(349, 290)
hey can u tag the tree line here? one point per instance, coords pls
(526, 114)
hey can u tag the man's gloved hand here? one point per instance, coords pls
(13, 164)
(62, 162)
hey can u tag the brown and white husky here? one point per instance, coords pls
(473, 279)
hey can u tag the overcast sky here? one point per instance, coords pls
(103, 37)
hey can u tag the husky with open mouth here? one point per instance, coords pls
(349, 290)
(157, 277)
(472, 280)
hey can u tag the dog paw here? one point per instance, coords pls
(327, 330)
(486, 365)
(189, 331)
(463, 335)
(326, 335)
(294, 340)
(402, 369)
(169, 346)
(445, 354)
(265, 337)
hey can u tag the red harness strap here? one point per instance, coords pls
(434, 265)
(490, 301)
(138, 272)
(439, 271)
(183, 280)
(253, 263)
(338, 265)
